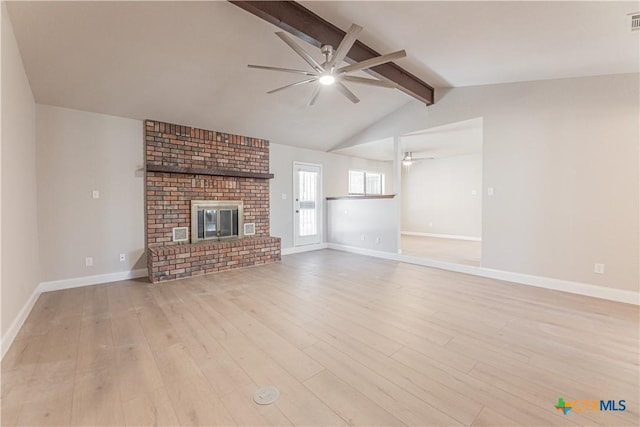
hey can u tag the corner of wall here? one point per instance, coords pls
(19, 274)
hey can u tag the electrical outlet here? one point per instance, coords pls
(430, 224)
(490, 191)
(95, 194)
(362, 238)
(284, 196)
(598, 268)
(123, 257)
(88, 261)
(378, 240)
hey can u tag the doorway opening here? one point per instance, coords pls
(441, 214)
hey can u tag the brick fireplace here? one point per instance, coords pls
(184, 164)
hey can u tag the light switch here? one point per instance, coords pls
(96, 194)
(284, 196)
(490, 191)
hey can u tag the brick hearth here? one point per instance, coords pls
(185, 164)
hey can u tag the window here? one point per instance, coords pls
(374, 183)
(356, 182)
(362, 182)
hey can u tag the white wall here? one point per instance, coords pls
(334, 183)
(563, 158)
(20, 275)
(438, 196)
(79, 152)
(363, 223)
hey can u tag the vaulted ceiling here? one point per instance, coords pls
(185, 62)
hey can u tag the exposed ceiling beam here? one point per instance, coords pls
(301, 22)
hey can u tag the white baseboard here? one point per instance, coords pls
(13, 330)
(612, 294)
(364, 251)
(306, 248)
(442, 236)
(77, 282)
(56, 285)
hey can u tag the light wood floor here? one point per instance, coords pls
(451, 250)
(348, 340)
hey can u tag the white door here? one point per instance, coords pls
(307, 203)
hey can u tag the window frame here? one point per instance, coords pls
(364, 183)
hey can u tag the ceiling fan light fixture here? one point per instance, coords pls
(407, 160)
(327, 79)
(328, 73)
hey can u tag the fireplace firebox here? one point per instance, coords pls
(216, 220)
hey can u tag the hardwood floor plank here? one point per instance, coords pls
(523, 412)
(276, 320)
(65, 332)
(96, 348)
(157, 329)
(95, 303)
(52, 407)
(296, 402)
(541, 395)
(196, 403)
(331, 318)
(127, 330)
(347, 339)
(348, 402)
(460, 407)
(222, 372)
(246, 413)
(136, 371)
(150, 409)
(36, 323)
(490, 418)
(18, 367)
(175, 363)
(398, 402)
(385, 316)
(96, 399)
(297, 363)
(118, 298)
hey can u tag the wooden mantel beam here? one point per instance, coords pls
(301, 22)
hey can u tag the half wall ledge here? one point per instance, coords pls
(354, 197)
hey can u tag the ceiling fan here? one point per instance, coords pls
(329, 72)
(409, 159)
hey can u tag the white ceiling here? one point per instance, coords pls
(453, 139)
(185, 62)
(469, 43)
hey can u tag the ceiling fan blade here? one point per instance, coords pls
(345, 45)
(285, 70)
(370, 82)
(314, 97)
(346, 92)
(292, 85)
(300, 51)
(368, 63)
